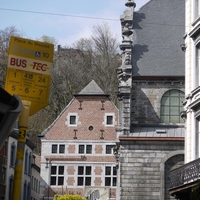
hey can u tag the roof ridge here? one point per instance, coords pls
(91, 89)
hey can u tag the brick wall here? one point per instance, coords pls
(90, 114)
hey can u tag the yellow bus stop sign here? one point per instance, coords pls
(29, 71)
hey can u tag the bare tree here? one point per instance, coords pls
(102, 58)
(94, 58)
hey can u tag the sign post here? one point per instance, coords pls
(29, 71)
(28, 75)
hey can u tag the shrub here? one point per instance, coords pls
(68, 197)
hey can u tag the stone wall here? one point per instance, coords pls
(146, 97)
(144, 167)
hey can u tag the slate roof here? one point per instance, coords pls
(158, 33)
(92, 89)
(157, 131)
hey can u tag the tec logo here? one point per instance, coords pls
(37, 54)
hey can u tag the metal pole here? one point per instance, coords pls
(23, 124)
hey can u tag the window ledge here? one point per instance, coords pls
(196, 21)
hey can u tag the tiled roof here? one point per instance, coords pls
(92, 89)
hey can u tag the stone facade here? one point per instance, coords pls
(146, 98)
(144, 167)
(151, 131)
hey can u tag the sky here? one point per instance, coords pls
(65, 20)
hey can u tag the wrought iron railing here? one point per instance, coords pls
(185, 174)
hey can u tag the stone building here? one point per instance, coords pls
(185, 179)
(77, 148)
(151, 93)
(30, 183)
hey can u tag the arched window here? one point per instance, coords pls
(26, 162)
(29, 163)
(28, 191)
(12, 154)
(25, 191)
(171, 106)
(10, 189)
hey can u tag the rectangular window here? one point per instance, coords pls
(61, 170)
(197, 8)
(108, 171)
(81, 149)
(10, 187)
(85, 149)
(197, 139)
(61, 148)
(54, 148)
(87, 181)
(110, 176)
(107, 181)
(109, 149)
(197, 65)
(72, 120)
(53, 170)
(80, 181)
(80, 170)
(3, 175)
(88, 149)
(84, 175)
(88, 170)
(109, 120)
(60, 180)
(53, 180)
(114, 181)
(57, 175)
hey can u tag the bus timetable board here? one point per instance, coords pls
(29, 71)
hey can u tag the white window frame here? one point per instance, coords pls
(113, 119)
(76, 120)
(197, 138)
(58, 149)
(111, 149)
(85, 149)
(196, 9)
(111, 176)
(84, 175)
(57, 175)
(197, 68)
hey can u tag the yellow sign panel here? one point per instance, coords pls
(29, 71)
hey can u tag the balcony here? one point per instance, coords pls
(182, 179)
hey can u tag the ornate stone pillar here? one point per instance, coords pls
(124, 72)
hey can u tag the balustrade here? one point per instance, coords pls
(185, 174)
